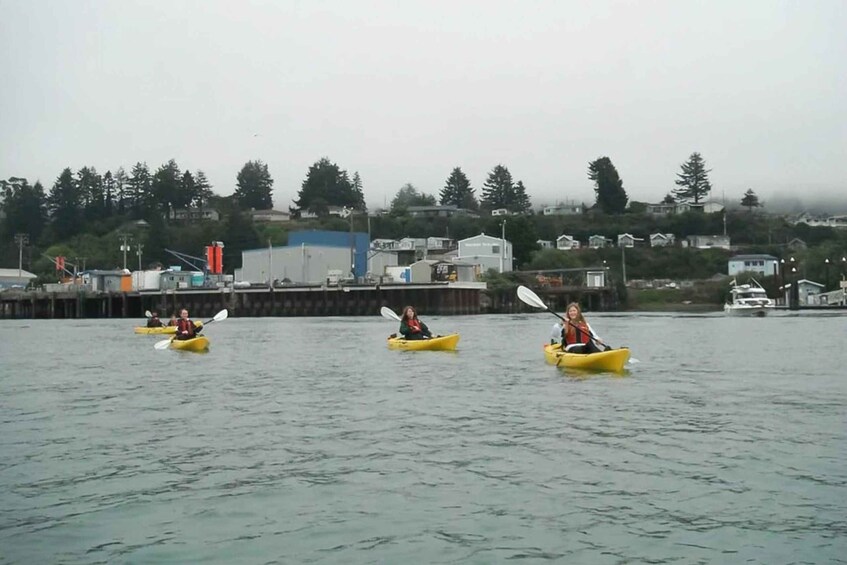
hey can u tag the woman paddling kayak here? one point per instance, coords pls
(577, 336)
(411, 327)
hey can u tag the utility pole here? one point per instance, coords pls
(502, 245)
(138, 249)
(124, 246)
(21, 239)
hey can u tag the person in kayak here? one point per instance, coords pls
(185, 328)
(555, 333)
(577, 336)
(411, 327)
(154, 322)
(173, 319)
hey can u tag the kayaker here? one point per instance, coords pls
(154, 322)
(411, 327)
(172, 322)
(185, 328)
(577, 336)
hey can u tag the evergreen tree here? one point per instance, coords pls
(498, 190)
(611, 196)
(693, 181)
(254, 186)
(407, 196)
(167, 188)
(90, 189)
(188, 188)
(669, 199)
(202, 190)
(65, 205)
(123, 200)
(239, 234)
(327, 185)
(457, 191)
(25, 208)
(521, 203)
(358, 194)
(139, 189)
(750, 200)
(108, 193)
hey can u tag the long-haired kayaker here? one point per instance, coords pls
(411, 327)
(577, 336)
(185, 328)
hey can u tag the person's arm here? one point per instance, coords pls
(425, 330)
(404, 328)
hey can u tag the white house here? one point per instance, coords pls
(439, 243)
(500, 212)
(385, 244)
(562, 210)
(9, 278)
(628, 240)
(808, 292)
(193, 214)
(662, 239)
(409, 243)
(487, 252)
(270, 215)
(566, 243)
(765, 265)
(598, 241)
(707, 242)
(667, 208)
(544, 243)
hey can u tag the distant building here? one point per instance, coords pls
(707, 242)
(486, 251)
(662, 239)
(628, 240)
(566, 242)
(385, 244)
(270, 215)
(118, 280)
(440, 244)
(446, 211)
(545, 243)
(808, 292)
(194, 214)
(666, 208)
(562, 210)
(500, 212)
(598, 241)
(9, 278)
(765, 265)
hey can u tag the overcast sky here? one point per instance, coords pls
(403, 91)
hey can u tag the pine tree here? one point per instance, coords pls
(327, 185)
(138, 189)
(521, 203)
(750, 200)
(611, 196)
(254, 186)
(167, 188)
(407, 196)
(457, 191)
(65, 205)
(693, 181)
(90, 188)
(498, 190)
(358, 193)
(109, 193)
(24, 206)
(202, 190)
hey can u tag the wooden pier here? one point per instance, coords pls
(359, 300)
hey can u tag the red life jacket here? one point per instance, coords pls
(414, 325)
(578, 334)
(184, 325)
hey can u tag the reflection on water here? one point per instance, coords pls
(307, 440)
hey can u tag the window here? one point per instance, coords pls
(495, 249)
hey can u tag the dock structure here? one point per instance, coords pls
(354, 300)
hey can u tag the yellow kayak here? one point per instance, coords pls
(164, 330)
(199, 343)
(612, 360)
(438, 343)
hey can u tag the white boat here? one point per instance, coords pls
(748, 300)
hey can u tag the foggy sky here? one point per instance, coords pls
(405, 91)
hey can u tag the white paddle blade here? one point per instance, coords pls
(147, 314)
(389, 314)
(529, 297)
(162, 344)
(221, 316)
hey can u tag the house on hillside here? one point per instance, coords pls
(487, 252)
(545, 243)
(194, 214)
(628, 240)
(765, 265)
(598, 242)
(707, 242)
(662, 239)
(566, 243)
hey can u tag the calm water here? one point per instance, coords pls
(308, 441)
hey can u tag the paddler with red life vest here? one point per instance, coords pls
(577, 336)
(185, 328)
(411, 327)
